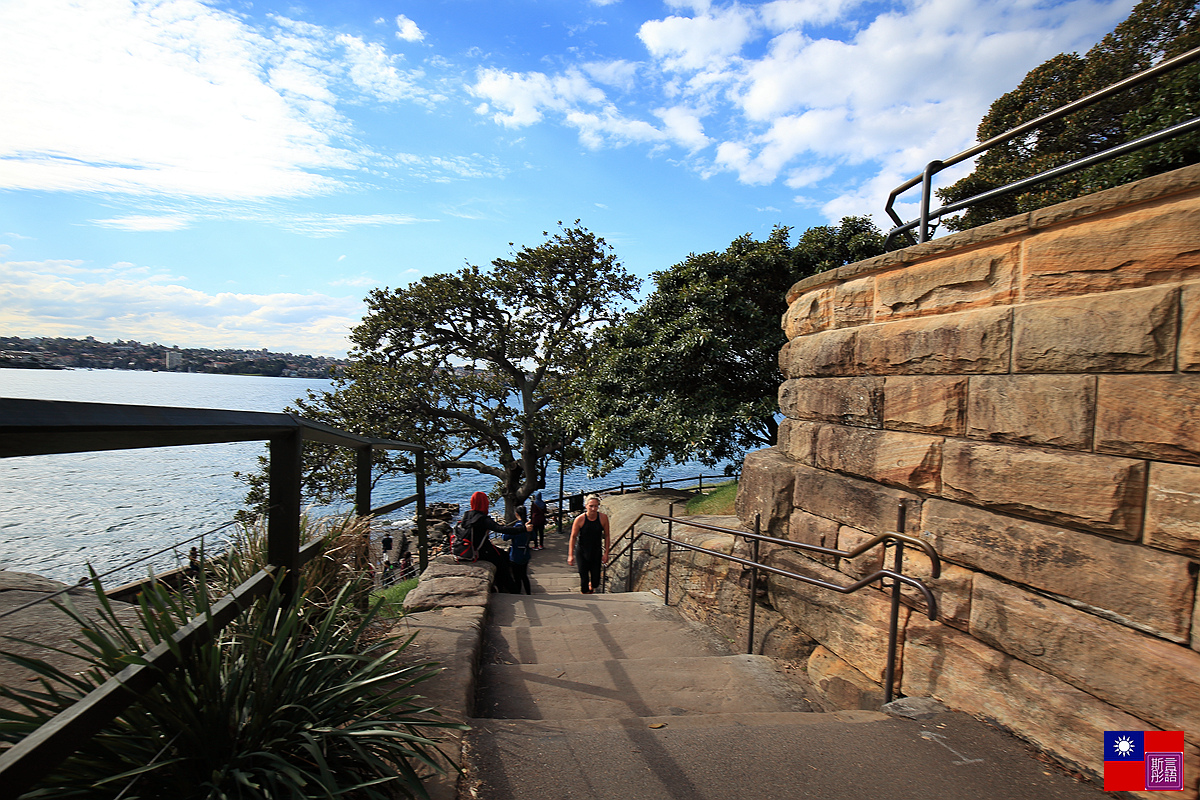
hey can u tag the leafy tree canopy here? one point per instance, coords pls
(1154, 30)
(474, 365)
(693, 374)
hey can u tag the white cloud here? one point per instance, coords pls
(373, 71)
(67, 298)
(179, 98)
(168, 222)
(703, 41)
(323, 225)
(524, 97)
(407, 30)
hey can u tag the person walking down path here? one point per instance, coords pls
(589, 544)
(519, 553)
(537, 520)
(479, 523)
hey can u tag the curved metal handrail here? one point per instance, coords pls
(828, 551)
(897, 540)
(936, 166)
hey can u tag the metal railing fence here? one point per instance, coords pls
(936, 166)
(622, 487)
(43, 427)
(895, 575)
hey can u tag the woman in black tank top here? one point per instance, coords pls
(589, 544)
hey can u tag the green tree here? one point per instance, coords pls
(693, 374)
(1154, 30)
(475, 365)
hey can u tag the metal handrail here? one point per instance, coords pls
(43, 427)
(897, 540)
(936, 166)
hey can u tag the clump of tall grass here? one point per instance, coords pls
(294, 699)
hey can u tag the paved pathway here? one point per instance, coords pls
(616, 696)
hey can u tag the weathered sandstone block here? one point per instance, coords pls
(797, 438)
(1145, 676)
(825, 353)
(1189, 331)
(969, 676)
(908, 460)
(808, 528)
(849, 401)
(1151, 416)
(860, 504)
(972, 342)
(951, 282)
(925, 404)
(1152, 244)
(1149, 589)
(1056, 410)
(1173, 509)
(766, 488)
(1074, 489)
(852, 626)
(809, 313)
(843, 685)
(1132, 331)
(853, 302)
(976, 341)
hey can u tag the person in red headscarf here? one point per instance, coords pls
(480, 523)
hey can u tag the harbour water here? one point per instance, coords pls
(60, 513)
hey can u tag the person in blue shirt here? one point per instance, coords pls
(519, 553)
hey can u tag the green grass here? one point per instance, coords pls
(392, 598)
(716, 500)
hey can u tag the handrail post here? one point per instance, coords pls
(422, 519)
(670, 536)
(894, 618)
(629, 573)
(700, 479)
(926, 190)
(283, 515)
(754, 585)
(362, 480)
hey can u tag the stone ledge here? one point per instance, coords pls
(446, 584)
(1138, 192)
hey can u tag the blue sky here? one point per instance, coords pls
(240, 174)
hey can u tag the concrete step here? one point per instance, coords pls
(649, 638)
(570, 609)
(844, 755)
(643, 687)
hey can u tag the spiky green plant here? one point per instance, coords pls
(283, 705)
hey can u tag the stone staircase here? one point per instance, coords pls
(618, 696)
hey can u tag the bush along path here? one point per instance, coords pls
(618, 696)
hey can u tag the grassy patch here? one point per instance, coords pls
(717, 500)
(391, 599)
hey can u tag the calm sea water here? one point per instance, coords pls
(60, 513)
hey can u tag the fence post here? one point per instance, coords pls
(894, 619)
(667, 584)
(422, 519)
(362, 480)
(283, 515)
(753, 587)
(701, 481)
(629, 574)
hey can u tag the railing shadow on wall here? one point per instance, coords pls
(43, 427)
(895, 576)
(936, 166)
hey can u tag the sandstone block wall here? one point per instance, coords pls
(1030, 392)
